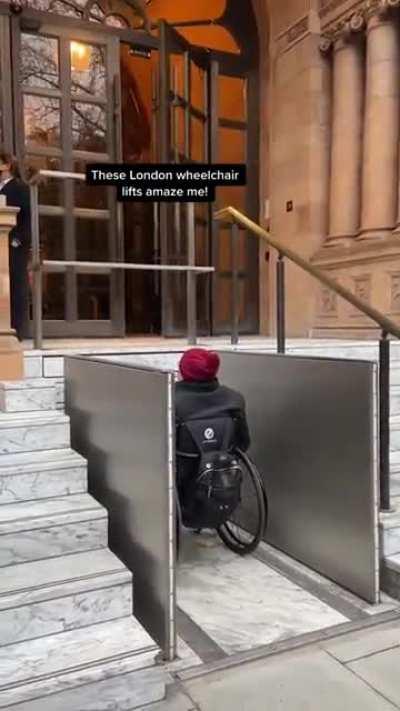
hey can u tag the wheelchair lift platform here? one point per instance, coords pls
(229, 606)
(313, 426)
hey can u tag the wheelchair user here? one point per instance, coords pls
(211, 426)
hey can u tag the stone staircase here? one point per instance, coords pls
(68, 637)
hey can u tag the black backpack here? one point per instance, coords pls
(213, 493)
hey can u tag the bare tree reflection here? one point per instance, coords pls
(40, 70)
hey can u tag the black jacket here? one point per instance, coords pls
(17, 195)
(210, 399)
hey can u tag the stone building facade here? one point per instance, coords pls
(319, 128)
(334, 137)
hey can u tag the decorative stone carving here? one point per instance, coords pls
(325, 44)
(343, 31)
(354, 21)
(293, 34)
(328, 6)
(357, 22)
(328, 302)
(362, 288)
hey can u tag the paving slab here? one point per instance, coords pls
(364, 642)
(302, 681)
(382, 672)
(175, 700)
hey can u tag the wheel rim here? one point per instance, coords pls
(246, 526)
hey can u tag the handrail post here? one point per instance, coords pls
(280, 304)
(235, 232)
(36, 268)
(384, 421)
(191, 277)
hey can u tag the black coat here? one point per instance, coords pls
(17, 195)
(194, 400)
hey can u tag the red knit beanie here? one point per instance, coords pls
(199, 365)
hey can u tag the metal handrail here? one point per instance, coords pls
(236, 217)
(63, 265)
(385, 323)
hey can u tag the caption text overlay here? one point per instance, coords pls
(166, 182)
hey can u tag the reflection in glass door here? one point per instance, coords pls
(204, 117)
(65, 93)
(5, 87)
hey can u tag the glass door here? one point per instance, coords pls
(67, 113)
(183, 138)
(204, 117)
(234, 139)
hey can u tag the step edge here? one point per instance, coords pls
(7, 469)
(54, 522)
(51, 588)
(81, 667)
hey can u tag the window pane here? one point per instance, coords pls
(93, 297)
(88, 70)
(177, 132)
(41, 121)
(54, 296)
(197, 140)
(92, 240)
(232, 98)
(197, 88)
(39, 62)
(177, 73)
(231, 195)
(50, 189)
(231, 146)
(51, 237)
(89, 127)
(90, 196)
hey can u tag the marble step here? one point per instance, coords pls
(394, 434)
(40, 667)
(389, 529)
(394, 372)
(27, 395)
(30, 432)
(135, 690)
(48, 528)
(395, 400)
(58, 594)
(34, 475)
(395, 484)
(390, 575)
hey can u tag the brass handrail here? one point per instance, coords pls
(234, 215)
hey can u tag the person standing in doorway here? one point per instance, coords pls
(16, 193)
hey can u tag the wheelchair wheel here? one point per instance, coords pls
(246, 526)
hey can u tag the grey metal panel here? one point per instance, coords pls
(121, 422)
(313, 425)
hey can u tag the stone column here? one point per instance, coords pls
(346, 146)
(11, 355)
(381, 132)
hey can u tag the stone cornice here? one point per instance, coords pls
(352, 21)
